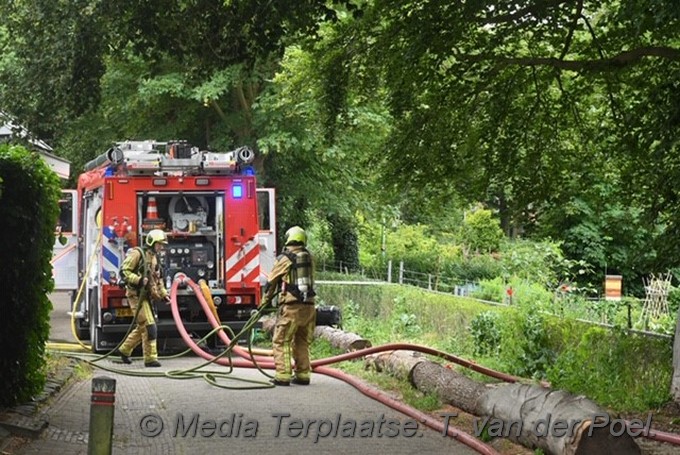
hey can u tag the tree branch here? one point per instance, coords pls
(243, 102)
(570, 35)
(219, 110)
(620, 60)
(610, 95)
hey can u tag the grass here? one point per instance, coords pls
(531, 344)
(398, 388)
(55, 363)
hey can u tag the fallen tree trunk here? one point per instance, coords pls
(553, 420)
(268, 324)
(347, 341)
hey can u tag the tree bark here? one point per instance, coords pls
(268, 324)
(527, 414)
(347, 341)
(675, 382)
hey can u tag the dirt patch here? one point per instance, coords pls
(13, 444)
(466, 422)
(666, 418)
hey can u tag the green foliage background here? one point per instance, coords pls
(622, 371)
(433, 133)
(560, 117)
(28, 208)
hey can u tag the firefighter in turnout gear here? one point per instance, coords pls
(293, 277)
(142, 275)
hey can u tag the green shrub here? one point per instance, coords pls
(345, 242)
(541, 262)
(492, 290)
(617, 370)
(319, 240)
(627, 372)
(471, 269)
(413, 246)
(673, 300)
(404, 323)
(528, 294)
(526, 350)
(29, 196)
(485, 333)
(482, 232)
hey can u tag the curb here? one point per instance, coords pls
(19, 425)
(24, 419)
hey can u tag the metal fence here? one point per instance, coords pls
(584, 310)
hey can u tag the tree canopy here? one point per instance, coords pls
(562, 116)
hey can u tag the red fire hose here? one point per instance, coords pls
(248, 361)
(266, 363)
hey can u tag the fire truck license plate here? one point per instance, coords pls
(124, 312)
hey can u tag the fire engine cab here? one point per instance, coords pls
(220, 229)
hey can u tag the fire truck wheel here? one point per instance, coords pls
(82, 330)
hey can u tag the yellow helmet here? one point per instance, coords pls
(296, 234)
(156, 235)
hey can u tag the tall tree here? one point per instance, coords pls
(528, 105)
(59, 49)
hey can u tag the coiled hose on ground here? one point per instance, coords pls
(249, 358)
(249, 361)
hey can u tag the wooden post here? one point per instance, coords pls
(401, 272)
(102, 407)
(389, 271)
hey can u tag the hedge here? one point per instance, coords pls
(29, 196)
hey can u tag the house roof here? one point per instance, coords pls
(9, 129)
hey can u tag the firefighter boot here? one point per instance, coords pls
(124, 358)
(132, 341)
(150, 348)
(152, 360)
(300, 381)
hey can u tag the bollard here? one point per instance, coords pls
(102, 406)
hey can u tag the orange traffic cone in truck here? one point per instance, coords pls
(151, 221)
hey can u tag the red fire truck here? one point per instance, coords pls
(220, 228)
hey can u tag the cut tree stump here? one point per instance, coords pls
(268, 323)
(555, 421)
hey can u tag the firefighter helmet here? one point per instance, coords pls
(156, 235)
(296, 234)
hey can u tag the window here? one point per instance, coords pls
(263, 211)
(65, 221)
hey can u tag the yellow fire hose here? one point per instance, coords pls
(80, 292)
(81, 349)
(213, 309)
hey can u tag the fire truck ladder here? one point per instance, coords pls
(170, 158)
